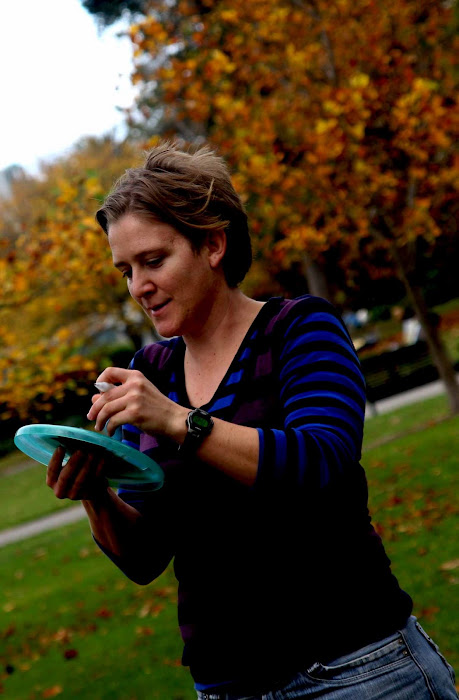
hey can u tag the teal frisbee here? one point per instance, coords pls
(127, 467)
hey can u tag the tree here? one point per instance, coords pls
(108, 11)
(339, 119)
(56, 275)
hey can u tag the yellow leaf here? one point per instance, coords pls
(359, 80)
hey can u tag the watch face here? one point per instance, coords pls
(200, 424)
(200, 421)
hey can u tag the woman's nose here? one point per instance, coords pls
(141, 284)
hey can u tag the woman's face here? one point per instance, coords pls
(173, 284)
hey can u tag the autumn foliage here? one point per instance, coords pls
(56, 276)
(339, 118)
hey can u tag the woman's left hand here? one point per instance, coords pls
(135, 400)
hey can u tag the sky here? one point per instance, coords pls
(61, 78)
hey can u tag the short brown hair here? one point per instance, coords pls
(190, 190)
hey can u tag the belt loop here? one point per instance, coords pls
(313, 668)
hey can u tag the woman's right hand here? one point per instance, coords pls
(81, 478)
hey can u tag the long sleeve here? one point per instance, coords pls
(322, 394)
(152, 542)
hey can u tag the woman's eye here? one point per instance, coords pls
(154, 262)
(126, 273)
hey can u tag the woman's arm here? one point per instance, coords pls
(123, 532)
(322, 392)
(322, 396)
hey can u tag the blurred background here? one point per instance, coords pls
(339, 122)
(340, 127)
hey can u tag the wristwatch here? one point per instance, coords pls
(200, 425)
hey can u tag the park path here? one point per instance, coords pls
(48, 522)
(75, 513)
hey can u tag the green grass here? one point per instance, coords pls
(414, 417)
(25, 495)
(413, 483)
(60, 597)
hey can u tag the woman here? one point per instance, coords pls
(255, 412)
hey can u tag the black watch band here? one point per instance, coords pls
(199, 425)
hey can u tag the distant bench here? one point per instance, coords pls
(395, 371)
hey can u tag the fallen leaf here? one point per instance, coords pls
(450, 565)
(172, 662)
(40, 553)
(52, 692)
(429, 613)
(70, 654)
(62, 635)
(144, 610)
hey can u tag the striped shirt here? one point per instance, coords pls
(274, 576)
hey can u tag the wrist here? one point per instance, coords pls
(98, 499)
(177, 427)
(199, 426)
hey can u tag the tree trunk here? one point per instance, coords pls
(434, 342)
(317, 282)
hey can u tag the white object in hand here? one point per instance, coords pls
(104, 386)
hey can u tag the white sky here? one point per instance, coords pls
(60, 79)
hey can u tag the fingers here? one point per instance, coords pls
(136, 400)
(132, 393)
(115, 375)
(108, 411)
(54, 467)
(69, 473)
(100, 400)
(86, 478)
(79, 478)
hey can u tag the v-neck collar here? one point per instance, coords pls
(180, 360)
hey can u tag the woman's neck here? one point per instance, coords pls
(229, 318)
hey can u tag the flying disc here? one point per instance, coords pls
(126, 467)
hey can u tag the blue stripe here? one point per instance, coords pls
(298, 362)
(345, 400)
(235, 378)
(134, 445)
(222, 403)
(131, 429)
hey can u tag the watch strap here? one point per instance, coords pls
(199, 424)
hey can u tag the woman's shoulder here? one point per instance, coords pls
(302, 307)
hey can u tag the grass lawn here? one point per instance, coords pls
(413, 484)
(412, 418)
(71, 624)
(25, 494)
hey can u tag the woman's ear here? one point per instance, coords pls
(216, 246)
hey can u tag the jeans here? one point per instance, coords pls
(405, 666)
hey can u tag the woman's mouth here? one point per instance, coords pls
(155, 310)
